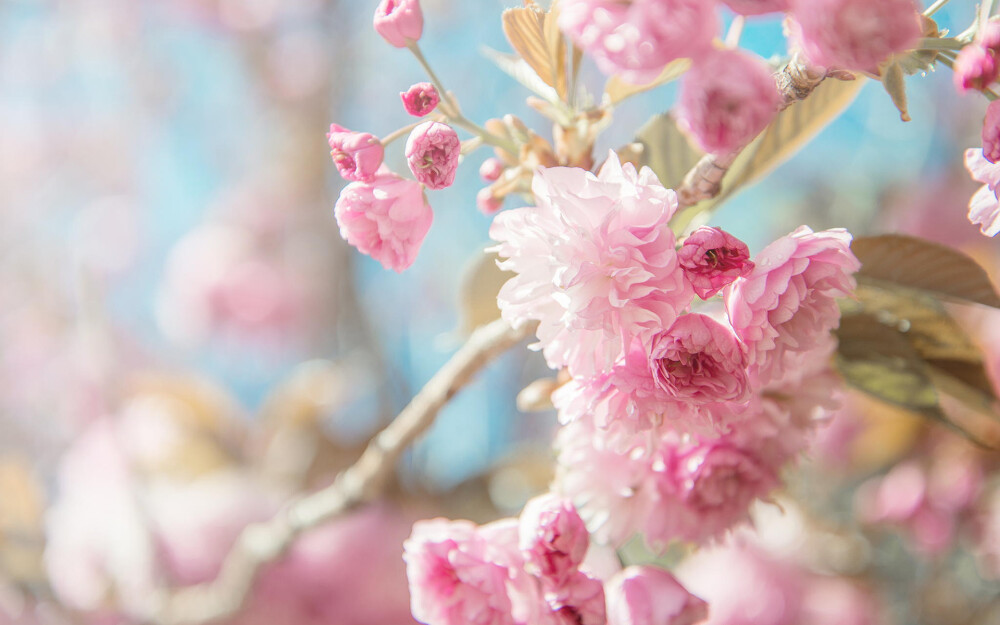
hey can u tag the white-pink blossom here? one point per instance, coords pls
(553, 538)
(984, 207)
(595, 263)
(649, 595)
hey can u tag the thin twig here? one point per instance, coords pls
(795, 82)
(362, 482)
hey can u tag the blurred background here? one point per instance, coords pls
(186, 341)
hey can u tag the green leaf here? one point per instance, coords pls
(616, 89)
(895, 86)
(923, 265)
(666, 150)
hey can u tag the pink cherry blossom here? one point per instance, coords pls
(757, 7)
(432, 151)
(699, 360)
(984, 207)
(649, 595)
(975, 68)
(420, 99)
(453, 581)
(789, 301)
(991, 132)
(553, 538)
(386, 219)
(712, 258)
(579, 601)
(487, 203)
(637, 39)
(357, 155)
(595, 263)
(726, 99)
(989, 35)
(856, 35)
(399, 21)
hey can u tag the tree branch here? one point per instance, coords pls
(795, 82)
(265, 542)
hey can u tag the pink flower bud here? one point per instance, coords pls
(991, 132)
(712, 258)
(432, 151)
(856, 35)
(357, 155)
(647, 595)
(420, 99)
(486, 203)
(491, 169)
(726, 99)
(975, 68)
(386, 219)
(579, 601)
(552, 537)
(399, 21)
(757, 7)
(989, 35)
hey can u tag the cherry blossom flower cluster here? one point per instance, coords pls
(532, 570)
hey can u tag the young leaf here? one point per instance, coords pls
(480, 283)
(895, 86)
(916, 263)
(616, 89)
(520, 71)
(666, 151)
(525, 28)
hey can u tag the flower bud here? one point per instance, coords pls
(420, 99)
(487, 203)
(399, 21)
(712, 258)
(552, 537)
(991, 132)
(975, 68)
(386, 219)
(432, 151)
(357, 155)
(647, 595)
(491, 169)
(989, 35)
(757, 7)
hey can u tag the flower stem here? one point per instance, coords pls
(392, 136)
(934, 8)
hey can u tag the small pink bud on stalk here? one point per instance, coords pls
(420, 99)
(357, 155)
(975, 68)
(399, 21)
(487, 203)
(491, 169)
(432, 151)
(712, 258)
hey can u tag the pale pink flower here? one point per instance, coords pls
(975, 68)
(699, 360)
(649, 595)
(579, 601)
(453, 581)
(984, 207)
(856, 35)
(487, 203)
(357, 155)
(706, 488)
(757, 7)
(991, 132)
(491, 169)
(789, 301)
(637, 39)
(399, 21)
(553, 538)
(712, 258)
(420, 99)
(989, 35)
(836, 601)
(432, 151)
(386, 219)
(726, 99)
(595, 263)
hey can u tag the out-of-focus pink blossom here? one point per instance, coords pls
(975, 68)
(699, 360)
(553, 538)
(897, 496)
(420, 99)
(984, 207)
(649, 595)
(595, 263)
(386, 219)
(757, 7)
(637, 39)
(712, 258)
(856, 35)
(453, 581)
(991, 132)
(487, 203)
(432, 151)
(836, 601)
(491, 169)
(788, 303)
(357, 155)
(578, 601)
(989, 35)
(399, 21)
(726, 99)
